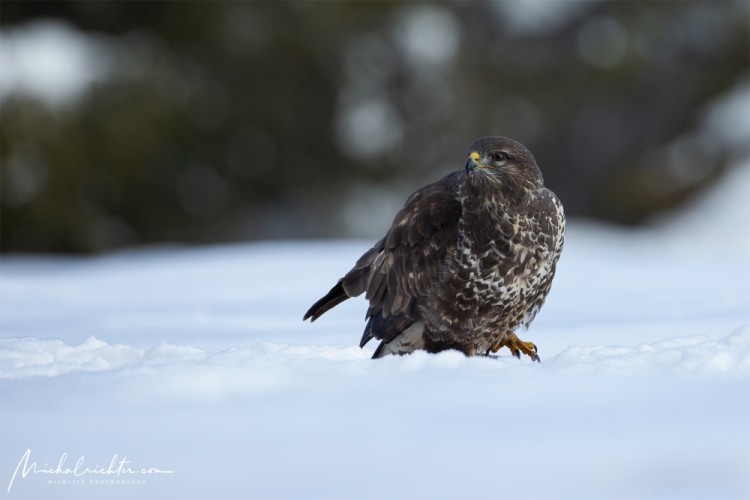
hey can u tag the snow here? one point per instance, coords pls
(195, 362)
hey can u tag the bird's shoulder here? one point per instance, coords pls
(550, 210)
(432, 208)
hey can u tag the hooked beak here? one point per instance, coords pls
(473, 162)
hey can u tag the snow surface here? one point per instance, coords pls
(196, 361)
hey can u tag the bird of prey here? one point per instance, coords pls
(467, 261)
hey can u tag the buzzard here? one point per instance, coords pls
(468, 259)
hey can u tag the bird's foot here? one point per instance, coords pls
(518, 346)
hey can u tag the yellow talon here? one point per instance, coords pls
(517, 346)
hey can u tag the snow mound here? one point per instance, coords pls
(696, 354)
(28, 357)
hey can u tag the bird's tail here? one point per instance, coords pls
(409, 340)
(333, 298)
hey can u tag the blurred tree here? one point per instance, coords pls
(235, 120)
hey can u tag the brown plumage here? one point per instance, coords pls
(468, 259)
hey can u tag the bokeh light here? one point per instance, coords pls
(128, 124)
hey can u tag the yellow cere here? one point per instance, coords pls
(475, 157)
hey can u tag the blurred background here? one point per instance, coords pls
(131, 123)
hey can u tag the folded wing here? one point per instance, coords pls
(397, 271)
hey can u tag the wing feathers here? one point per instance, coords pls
(397, 271)
(333, 298)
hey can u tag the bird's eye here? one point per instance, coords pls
(499, 156)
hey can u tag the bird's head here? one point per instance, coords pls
(504, 159)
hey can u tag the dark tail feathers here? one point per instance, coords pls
(333, 298)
